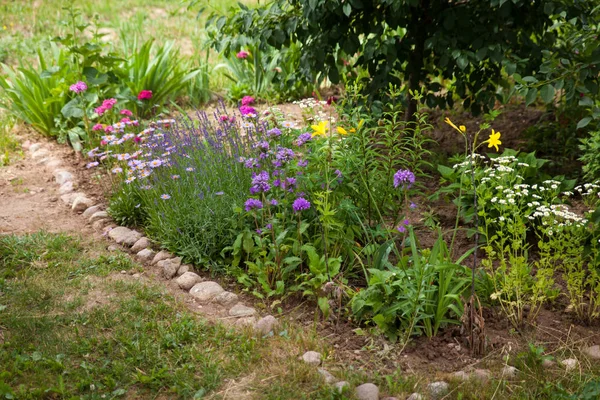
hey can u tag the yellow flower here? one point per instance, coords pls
(342, 131)
(494, 140)
(462, 128)
(360, 124)
(320, 129)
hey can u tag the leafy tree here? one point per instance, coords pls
(450, 47)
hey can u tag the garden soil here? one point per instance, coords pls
(30, 202)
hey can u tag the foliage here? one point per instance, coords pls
(590, 156)
(417, 42)
(418, 296)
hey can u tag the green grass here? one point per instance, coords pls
(8, 143)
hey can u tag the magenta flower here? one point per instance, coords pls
(126, 112)
(97, 127)
(242, 55)
(247, 100)
(145, 95)
(78, 87)
(245, 110)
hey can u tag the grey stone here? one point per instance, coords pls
(35, 147)
(481, 375)
(438, 389)
(245, 322)
(69, 198)
(169, 267)
(226, 299)
(141, 244)
(99, 215)
(415, 396)
(311, 358)
(367, 391)
(266, 325)
(112, 247)
(509, 371)
(593, 352)
(570, 364)
(81, 203)
(547, 363)
(53, 163)
(40, 154)
(460, 376)
(145, 255)
(327, 376)
(62, 176)
(341, 386)
(162, 255)
(206, 291)
(188, 280)
(91, 211)
(240, 310)
(66, 187)
(183, 268)
(99, 224)
(124, 236)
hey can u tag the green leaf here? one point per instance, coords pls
(531, 96)
(547, 93)
(584, 122)
(462, 61)
(586, 102)
(347, 8)
(72, 109)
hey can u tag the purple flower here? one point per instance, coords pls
(274, 203)
(412, 205)
(78, 87)
(263, 146)
(252, 204)
(303, 138)
(338, 173)
(300, 204)
(245, 110)
(260, 182)
(404, 178)
(284, 154)
(247, 100)
(302, 163)
(259, 231)
(251, 163)
(277, 183)
(401, 229)
(289, 182)
(273, 132)
(269, 226)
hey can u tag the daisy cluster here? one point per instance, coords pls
(314, 110)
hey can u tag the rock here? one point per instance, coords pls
(206, 291)
(240, 310)
(311, 358)
(226, 299)
(341, 386)
(69, 198)
(35, 147)
(509, 371)
(53, 163)
(91, 211)
(265, 325)
(137, 275)
(415, 396)
(570, 364)
(245, 322)
(327, 376)
(438, 389)
(62, 176)
(169, 267)
(188, 280)
(99, 215)
(460, 376)
(112, 247)
(99, 224)
(390, 398)
(162, 255)
(125, 236)
(547, 363)
(81, 203)
(141, 244)
(39, 154)
(183, 269)
(367, 391)
(481, 375)
(592, 352)
(66, 187)
(145, 255)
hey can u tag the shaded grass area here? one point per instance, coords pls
(73, 326)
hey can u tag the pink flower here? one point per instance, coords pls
(224, 118)
(109, 103)
(247, 100)
(125, 120)
(100, 110)
(137, 139)
(78, 87)
(126, 112)
(109, 128)
(242, 54)
(97, 127)
(245, 110)
(145, 95)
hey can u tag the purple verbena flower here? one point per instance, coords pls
(300, 204)
(404, 178)
(252, 204)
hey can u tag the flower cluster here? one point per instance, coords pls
(78, 87)
(106, 105)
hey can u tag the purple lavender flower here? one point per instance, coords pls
(78, 87)
(300, 204)
(260, 182)
(303, 138)
(252, 204)
(274, 132)
(404, 178)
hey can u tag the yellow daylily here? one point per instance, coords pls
(461, 129)
(342, 131)
(360, 124)
(494, 140)
(320, 129)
